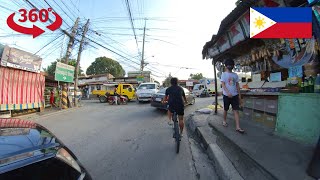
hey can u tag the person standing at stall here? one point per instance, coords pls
(231, 94)
(52, 99)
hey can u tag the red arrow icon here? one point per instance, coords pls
(55, 25)
(35, 31)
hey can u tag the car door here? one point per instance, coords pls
(127, 90)
(187, 93)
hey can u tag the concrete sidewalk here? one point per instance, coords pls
(47, 112)
(257, 154)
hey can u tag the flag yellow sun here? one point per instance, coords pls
(259, 22)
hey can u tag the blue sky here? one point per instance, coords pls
(176, 32)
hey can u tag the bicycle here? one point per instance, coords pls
(176, 130)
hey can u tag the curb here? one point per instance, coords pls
(245, 165)
(224, 167)
(36, 116)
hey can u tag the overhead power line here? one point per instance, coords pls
(132, 24)
(48, 43)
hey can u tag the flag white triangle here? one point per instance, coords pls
(259, 22)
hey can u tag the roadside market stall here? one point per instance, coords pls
(21, 84)
(280, 93)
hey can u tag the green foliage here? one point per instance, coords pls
(166, 82)
(103, 65)
(52, 67)
(197, 76)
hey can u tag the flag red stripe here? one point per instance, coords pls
(287, 30)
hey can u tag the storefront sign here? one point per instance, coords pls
(213, 51)
(64, 72)
(18, 59)
(140, 78)
(316, 10)
(236, 34)
(189, 83)
(245, 20)
(295, 71)
(223, 43)
(275, 77)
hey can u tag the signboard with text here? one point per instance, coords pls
(140, 78)
(64, 72)
(18, 59)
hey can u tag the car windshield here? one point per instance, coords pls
(162, 91)
(147, 86)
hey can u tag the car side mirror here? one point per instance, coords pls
(130, 90)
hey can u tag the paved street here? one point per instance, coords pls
(130, 141)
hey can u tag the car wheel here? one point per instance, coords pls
(193, 101)
(102, 99)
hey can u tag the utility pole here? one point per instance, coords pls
(216, 87)
(65, 88)
(78, 62)
(62, 46)
(144, 37)
(71, 41)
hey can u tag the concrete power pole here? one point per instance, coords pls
(78, 62)
(71, 41)
(64, 96)
(144, 37)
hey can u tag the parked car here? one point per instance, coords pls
(145, 91)
(71, 92)
(158, 97)
(30, 151)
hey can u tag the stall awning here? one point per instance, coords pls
(20, 89)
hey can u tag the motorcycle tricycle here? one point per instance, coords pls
(116, 99)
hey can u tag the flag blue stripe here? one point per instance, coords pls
(289, 15)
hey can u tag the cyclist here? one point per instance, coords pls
(176, 96)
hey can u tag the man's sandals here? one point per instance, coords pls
(241, 131)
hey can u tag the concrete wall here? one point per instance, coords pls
(299, 117)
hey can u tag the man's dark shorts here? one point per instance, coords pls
(234, 102)
(179, 110)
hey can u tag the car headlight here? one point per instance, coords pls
(64, 156)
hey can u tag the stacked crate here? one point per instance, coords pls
(260, 110)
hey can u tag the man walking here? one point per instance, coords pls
(231, 94)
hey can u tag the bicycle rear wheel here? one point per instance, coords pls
(176, 132)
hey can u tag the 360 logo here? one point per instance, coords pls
(33, 16)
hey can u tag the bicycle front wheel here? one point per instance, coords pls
(177, 135)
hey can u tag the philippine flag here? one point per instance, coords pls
(281, 22)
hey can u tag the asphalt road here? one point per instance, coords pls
(123, 142)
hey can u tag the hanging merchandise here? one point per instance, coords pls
(302, 90)
(295, 53)
(297, 45)
(317, 84)
(306, 85)
(311, 84)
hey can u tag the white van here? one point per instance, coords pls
(207, 84)
(145, 91)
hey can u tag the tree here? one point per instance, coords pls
(104, 65)
(52, 67)
(197, 76)
(166, 82)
